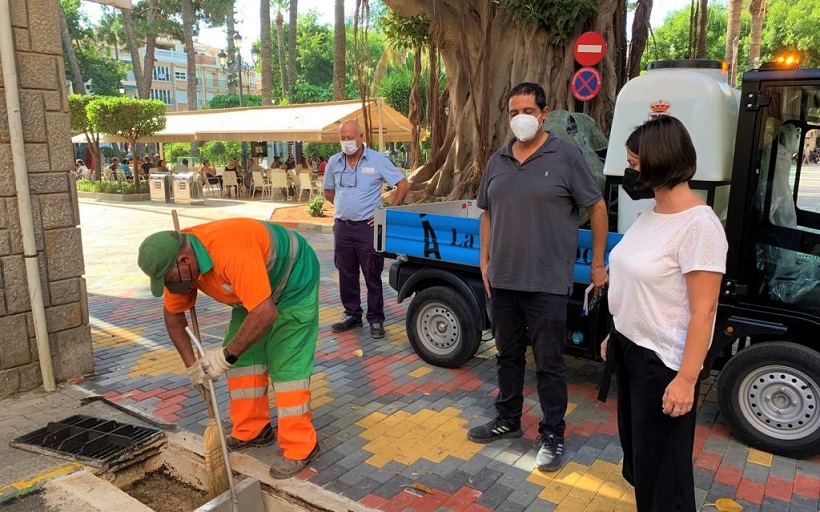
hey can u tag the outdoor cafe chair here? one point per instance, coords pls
(229, 180)
(279, 184)
(258, 182)
(306, 183)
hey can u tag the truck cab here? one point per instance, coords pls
(766, 341)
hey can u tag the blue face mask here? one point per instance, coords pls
(633, 186)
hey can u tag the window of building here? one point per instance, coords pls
(162, 95)
(162, 73)
(181, 75)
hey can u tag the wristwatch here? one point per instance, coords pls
(230, 358)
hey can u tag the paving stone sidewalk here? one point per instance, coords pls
(393, 428)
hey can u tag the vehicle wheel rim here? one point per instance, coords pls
(438, 328)
(780, 402)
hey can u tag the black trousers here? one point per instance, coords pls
(657, 447)
(520, 319)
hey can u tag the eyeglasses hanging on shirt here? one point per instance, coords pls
(348, 177)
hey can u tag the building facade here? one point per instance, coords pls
(170, 76)
(55, 213)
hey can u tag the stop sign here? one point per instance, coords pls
(589, 48)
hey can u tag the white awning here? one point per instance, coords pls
(310, 122)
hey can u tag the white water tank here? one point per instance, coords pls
(697, 93)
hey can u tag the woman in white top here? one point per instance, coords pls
(665, 278)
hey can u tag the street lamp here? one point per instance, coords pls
(235, 66)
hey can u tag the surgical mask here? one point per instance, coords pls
(633, 186)
(349, 147)
(524, 126)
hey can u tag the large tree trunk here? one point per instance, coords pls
(339, 51)
(758, 10)
(280, 40)
(74, 65)
(703, 21)
(485, 54)
(414, 114)
(292, 22)
(133, 49)
(188, 31)
(230, 28)
(732, 36)
(433, 105)
(144, 90)
(267, 53)
(190, 71)
(640, 31)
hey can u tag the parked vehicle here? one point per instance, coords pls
(766, 342)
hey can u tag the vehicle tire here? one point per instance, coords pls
(769, 394)
(443, 327)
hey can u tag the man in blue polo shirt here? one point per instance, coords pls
(353, 183)
(532, 190)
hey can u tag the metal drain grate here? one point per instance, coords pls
(93, 441)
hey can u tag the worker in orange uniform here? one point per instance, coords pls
(269, 275)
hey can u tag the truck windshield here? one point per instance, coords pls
(787, 204)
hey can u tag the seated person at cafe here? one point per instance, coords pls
(147, 165)
(183, 167)
(248, 175)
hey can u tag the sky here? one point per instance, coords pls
(247, 17)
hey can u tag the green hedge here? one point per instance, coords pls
(111, 187)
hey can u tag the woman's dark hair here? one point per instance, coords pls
(665, 150)
(530, 89)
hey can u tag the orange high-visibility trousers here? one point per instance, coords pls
(284, 357)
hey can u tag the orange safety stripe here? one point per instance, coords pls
(291, 398)
(247, 381)
(296, 436)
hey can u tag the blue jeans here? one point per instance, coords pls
(520, 319)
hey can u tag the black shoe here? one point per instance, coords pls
(496, 429)
(347, 323)
(285, 468)
(550, 451)
(266, 437)
(377, 331)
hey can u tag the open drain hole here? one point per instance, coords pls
(93, 441)
(163, 493)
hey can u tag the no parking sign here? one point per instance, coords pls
(585, 83)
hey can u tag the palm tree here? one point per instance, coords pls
(732, 37)
(230, 26)
(267, 67)
(758, 10)
(292, 46)
(76, 77)
(188, 23)
(280, 42)
(700, 52)
(133, 49)
(339, 51)
(110, 30)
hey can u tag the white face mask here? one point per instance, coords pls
(524, 126)
(349, 147)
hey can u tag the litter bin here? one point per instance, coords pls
(187, 188)
(160, 187)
